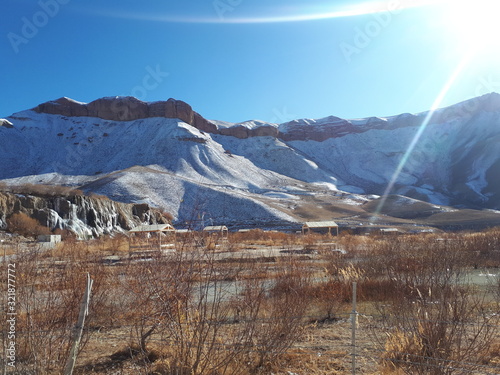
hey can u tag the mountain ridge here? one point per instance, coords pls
(255, 171)
(128, 108)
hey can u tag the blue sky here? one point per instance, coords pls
(236, 60)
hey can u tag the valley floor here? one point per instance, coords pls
(261, 303)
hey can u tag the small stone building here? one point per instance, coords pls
(50, 238)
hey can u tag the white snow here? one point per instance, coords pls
(171, 164)
(366, 121)
(280, 195)
(5, 122)
(73, 100)
(178, 167)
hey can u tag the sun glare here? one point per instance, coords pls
(475, 23)
(307, 12)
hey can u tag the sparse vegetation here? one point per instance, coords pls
(212, 311)
(41, 190)
(24, 225)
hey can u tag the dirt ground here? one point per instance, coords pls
(325, 348)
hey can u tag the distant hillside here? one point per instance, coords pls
(256, 173)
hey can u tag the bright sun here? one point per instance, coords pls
(475, 23)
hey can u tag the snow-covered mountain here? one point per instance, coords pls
(167, 155)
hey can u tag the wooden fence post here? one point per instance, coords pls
(78, 330)
(354, 321)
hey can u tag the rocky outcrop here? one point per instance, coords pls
(118, 109)
(250, 129)
(83, 215)
(330, 127)
(127, 108)
(130, 109)
(64, 107)
(238, 131)
(264, 131)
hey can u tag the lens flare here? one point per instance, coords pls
(437, 103)
(279, 15)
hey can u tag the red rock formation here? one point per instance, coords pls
(264, 131)
(127, 109)
(238, 131)
(64, 107)
(118, 109)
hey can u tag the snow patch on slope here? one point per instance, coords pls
(184, 198)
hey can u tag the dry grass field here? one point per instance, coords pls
(257, 303)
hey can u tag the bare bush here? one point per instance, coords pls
(48, 300)
(283, 316)
(189, 308)
(194, 311)
(24, 225)
(261, 237)
(435, 322)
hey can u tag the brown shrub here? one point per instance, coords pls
(207, 325)
(66, 235)
(432, 310)
(259, 236)
(24, 225)
(48, 302)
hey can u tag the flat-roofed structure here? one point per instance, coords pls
(320, 227)
(152, 228)
(140, 237)
(216, 230)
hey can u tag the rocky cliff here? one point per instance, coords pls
(127, 108)
(83, 215)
